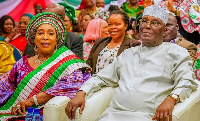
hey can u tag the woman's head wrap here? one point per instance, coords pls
(69, 11)
(46, 18)
(29, 15)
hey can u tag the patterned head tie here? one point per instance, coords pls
(156, 11)
(46, 18)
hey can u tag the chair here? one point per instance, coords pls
(54, 110)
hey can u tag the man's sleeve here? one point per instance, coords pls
(109, 76)
(183, 75)
(77, 46)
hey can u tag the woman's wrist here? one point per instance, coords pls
(35, 100)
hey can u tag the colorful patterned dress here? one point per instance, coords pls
(130, 11)
(65, 84)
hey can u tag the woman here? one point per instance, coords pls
(105, 50)
(19, 41)
(97, 28)
(9, 54)
(83, 21)
(132, 8)
(69, 16)
(7, 26)
(36, 80)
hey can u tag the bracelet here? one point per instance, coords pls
(7, 39)
(35, 100)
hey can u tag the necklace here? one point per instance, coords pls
(38, 61)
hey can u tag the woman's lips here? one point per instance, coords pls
(45, 44)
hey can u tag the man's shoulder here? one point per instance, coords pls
(185, 43)
(73, 35)
(175, 49)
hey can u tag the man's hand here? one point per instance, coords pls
(164, 109)
(73, 104)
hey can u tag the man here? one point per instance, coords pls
(149, 79)
(74, 42)
(100, 3)
(170, 35)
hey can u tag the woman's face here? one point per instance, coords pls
(23, 22)
(116, 26)
(68, 22)
(104, 29)
(45, 39)
(86, 20)
(8, 25)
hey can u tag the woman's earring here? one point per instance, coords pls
(35, 49)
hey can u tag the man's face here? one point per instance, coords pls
(100, 3)
(170, 32)
(38, 8)
(57, 9)
(151, 31)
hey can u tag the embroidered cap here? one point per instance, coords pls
(156, 11)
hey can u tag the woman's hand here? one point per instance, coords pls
(13, 33)
(73, 104)
(21, 107)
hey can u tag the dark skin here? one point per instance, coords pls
(90, 6)
(57, 9)
(38, 8)
(171, 30)
(45, 34)
(133, 3)
(152, 36)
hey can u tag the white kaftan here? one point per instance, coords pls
(144, 77)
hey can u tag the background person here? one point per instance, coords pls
(19, 41)
(100, 3)
(7, 26)
(97, 28)
(105, 50)
(70, 17)
(171, 35)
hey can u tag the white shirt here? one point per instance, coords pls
(144, 77)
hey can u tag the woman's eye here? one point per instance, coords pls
(51, 33)
(117, 24)
(39, 33)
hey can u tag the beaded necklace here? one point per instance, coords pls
(38, 61)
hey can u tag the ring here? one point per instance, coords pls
(17, 106)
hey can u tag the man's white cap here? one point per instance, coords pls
(156, 11)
